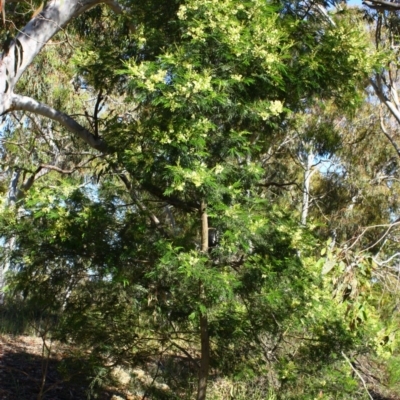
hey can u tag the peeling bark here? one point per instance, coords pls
(30, 41)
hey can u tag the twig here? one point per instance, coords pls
(186, 353)
(358, 374)
(97, 108)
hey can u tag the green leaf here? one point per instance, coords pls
(329, 264)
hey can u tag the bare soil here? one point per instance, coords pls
(21, 372)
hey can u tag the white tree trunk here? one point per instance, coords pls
(308, 171)
(31, 39)
(13, 62)
(9, 244)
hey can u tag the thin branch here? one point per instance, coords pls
(383, 237)
(381, 263)
(358, 374)
(97, 108)
(186, 353)
(188, 206)
(278, 184)
(57, 169)
(384, 99)
(155, 221)
(386, 133)
(389, 226)
(118, 9)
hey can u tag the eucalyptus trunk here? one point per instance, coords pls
(17, 57)
(308, 172)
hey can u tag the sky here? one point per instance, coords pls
(354, 3)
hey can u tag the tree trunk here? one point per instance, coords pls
(31, 39)
(205, 358)
(9, 244)
(306, 187)
(14, 61)
(204, 338)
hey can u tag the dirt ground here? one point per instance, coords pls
(21, 376)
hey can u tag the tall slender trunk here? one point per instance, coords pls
(5, 265)
(204, 338)
(306, 187)
(9, 243)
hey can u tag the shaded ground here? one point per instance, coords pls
(378, 396)
(21, 374)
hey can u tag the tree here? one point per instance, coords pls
(188, 119)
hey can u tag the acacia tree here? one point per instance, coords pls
(199, 100)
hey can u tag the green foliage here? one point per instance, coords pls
(123, 291)
(207, 102)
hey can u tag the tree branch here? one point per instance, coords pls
(25, 103)
(386, 133)
(277, 184)
(153, 218)
(385, 100)
(358, 374)
(97, 108)
(183, 205)
(195, 362)
(382, 5)
(33, 37)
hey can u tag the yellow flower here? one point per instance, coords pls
(276, 107)
(182, 12)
